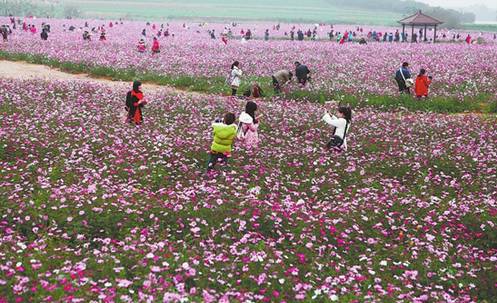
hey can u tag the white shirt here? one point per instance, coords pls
(340, 124)
(236, 73)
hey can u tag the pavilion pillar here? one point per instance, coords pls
(424, 34)
(412, 33)
(435, 34)
(403, 32)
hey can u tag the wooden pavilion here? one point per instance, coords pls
(420, 20)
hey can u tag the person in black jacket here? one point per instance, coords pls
(302, 73)
(5, 34)
(44, 34)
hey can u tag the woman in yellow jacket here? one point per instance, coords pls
(224, 134)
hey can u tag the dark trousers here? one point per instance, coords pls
(233, 91)
(276, 85)
(403, 89)
(215, 158)
(302, 81)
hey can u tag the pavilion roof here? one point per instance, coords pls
(420, 19)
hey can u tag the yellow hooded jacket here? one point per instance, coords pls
(223, 137)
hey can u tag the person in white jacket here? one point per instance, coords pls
(341, 124)
(235, 77)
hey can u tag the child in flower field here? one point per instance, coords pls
(224, 133)
(135, 103)
(422, 84)
(235, 77)
(341, 125)
(247, 128)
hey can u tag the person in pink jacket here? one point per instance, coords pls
(141, 46)
(248, 126)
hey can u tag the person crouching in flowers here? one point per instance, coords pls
(422, 84)
(141, 46)
(135, 103)
(255, 91)
(341, 125)
(247, 129)
(224, 133)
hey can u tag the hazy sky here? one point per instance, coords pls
(460, 3)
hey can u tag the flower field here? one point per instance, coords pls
(93, 210)
(359, 70)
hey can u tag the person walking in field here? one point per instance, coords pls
(280, 79)
(155, 46)
(224, 133)
(44, 35)
(422, 84)
(247, 128)
(235, 77)
(404, 79)
(134, 104)
(5, 34)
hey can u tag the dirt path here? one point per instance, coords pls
(24, 70)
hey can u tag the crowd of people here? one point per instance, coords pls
(225, 130)
(245, 131)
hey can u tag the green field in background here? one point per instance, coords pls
(278, 10)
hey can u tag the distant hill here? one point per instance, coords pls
(275, 10)
(375, 12)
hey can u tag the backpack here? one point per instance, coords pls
(337, 141)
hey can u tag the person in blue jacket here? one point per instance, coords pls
(404, 79)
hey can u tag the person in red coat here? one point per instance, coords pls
(134, 104)
(155, 46)
(468, 39)
(422, 84)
